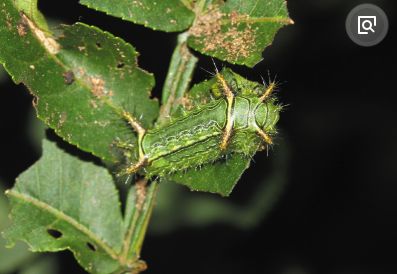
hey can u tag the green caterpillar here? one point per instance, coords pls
(240, 118)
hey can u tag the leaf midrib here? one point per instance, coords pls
(251, 20)
(70, 220)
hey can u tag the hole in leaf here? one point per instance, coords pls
(98, 45)
(91, 246)
(120, 65)
(56, 234)
(68, 77)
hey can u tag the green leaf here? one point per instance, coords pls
(238, 31)
(219, 177)
(11, 259)
(82, 82)
(205, 210)
(169, 15)
(19, 258)
(63, 203)
(29, 7)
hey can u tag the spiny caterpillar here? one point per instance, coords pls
(240, 118)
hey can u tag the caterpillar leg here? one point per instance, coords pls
(136, 167)
(228, 93)
(141, 133)
(134, 123)
(265, 137)
(268, 91)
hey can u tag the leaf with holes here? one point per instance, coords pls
(238, 31)
(82, 82)
(11, 259)
(63, 203)
(170, 15)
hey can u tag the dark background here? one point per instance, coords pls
(338, 211)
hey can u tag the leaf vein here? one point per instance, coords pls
(60, 215)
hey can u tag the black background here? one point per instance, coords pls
(338, 213)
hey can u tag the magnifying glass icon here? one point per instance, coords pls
(367, 25)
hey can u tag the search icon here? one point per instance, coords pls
(366, 23)
(369, 27)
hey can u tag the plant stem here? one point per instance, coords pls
(179, 75)
(144, 203)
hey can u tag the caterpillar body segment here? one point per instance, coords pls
(240, 119)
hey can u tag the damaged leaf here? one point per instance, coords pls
(82, 81)
(170, 15)
(29, 7)
(64, 203)
(238, 31)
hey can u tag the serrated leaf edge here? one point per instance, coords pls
(59, 214)
(145, 24)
